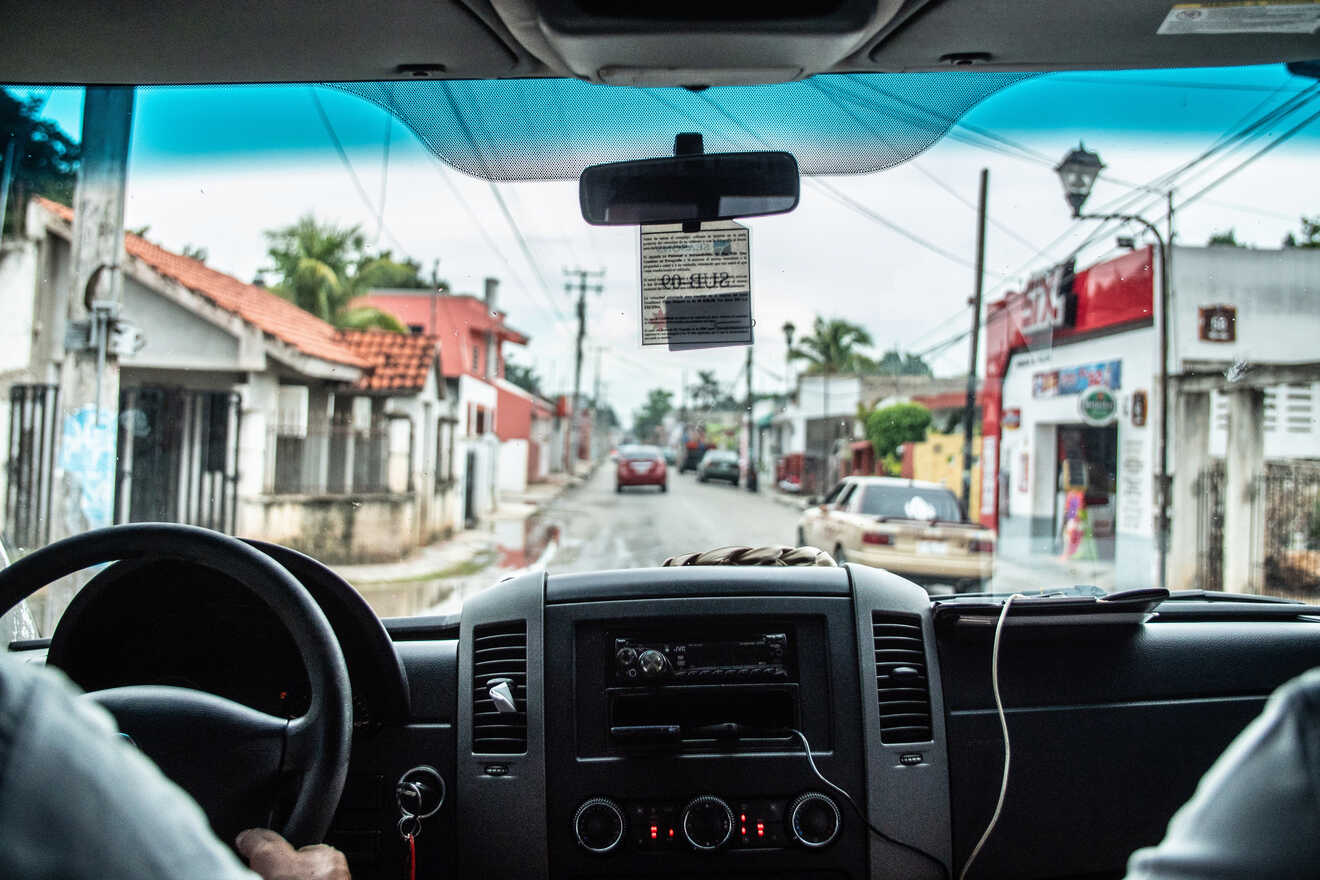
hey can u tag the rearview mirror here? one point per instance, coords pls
(698, 188)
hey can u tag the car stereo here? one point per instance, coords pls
(751, 657)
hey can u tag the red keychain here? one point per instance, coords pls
(409, 828)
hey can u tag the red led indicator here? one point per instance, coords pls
(744, 831)
(655, 832)
(742, 817)
(671, 832)
(760, 829)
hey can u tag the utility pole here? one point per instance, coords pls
(752, 485)
(969, 413)
(89, 372)
(582, 289)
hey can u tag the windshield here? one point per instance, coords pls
(902, 502)
(368, 321)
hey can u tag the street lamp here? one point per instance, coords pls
(1078, 172)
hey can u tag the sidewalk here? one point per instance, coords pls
(436, 578)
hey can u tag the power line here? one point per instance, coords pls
(1252, 158)
(348, 165)
(526, 251)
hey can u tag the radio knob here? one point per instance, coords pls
(652, 663)
(707, 822)
(598, 825)
(814, 820)
(625, 656)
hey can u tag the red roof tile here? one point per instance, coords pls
(399, 361)
(262, 308)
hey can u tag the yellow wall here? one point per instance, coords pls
(939, 459)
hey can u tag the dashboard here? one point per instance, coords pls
(651, 723)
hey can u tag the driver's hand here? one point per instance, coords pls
(273, 858)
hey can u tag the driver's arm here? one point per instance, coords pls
(79, 801)
(1256, 812)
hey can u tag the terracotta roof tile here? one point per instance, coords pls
(260, 307)
(399, 361)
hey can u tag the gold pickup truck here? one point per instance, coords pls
(912, 528)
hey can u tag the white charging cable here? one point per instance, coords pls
(1003, 726)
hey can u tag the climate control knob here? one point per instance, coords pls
(598, 825)
(652, 663)
(707, 822)
(814, 820)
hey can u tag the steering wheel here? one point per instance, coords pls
(230, 758)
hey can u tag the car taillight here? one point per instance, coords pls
(981, 546)
(877, 538)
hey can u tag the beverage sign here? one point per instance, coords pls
(1217, 323)
(1012, 418)
(1098, 406)
(1139, 407)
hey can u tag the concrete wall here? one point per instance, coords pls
(334, 528)
(1276, 294)
(176, 338)
(511, 472)
(18, 290)
(939, 459)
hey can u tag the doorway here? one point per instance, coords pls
(1086, 475)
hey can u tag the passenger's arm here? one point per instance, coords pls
(1256, 812)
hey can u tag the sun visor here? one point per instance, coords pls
(551, 129)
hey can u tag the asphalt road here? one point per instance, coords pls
(642, 526)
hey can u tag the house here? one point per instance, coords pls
(494, 420)
(239, 411)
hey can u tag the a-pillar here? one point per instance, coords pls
(1244, 514)
(1191, 456)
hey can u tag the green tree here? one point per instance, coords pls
(322, 267)
(196, 252)
(1309, 237)
(524, 377)
(895, 363)
(647, 420)
(1226, 238)
(45, 158)
(890, 427)
(833, 346)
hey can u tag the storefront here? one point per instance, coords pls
(1070, 439)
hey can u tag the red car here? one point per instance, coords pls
(640, 466)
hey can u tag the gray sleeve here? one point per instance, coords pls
(1255, 813)
(78, 801)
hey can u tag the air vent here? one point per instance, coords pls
(900, 678)
(499, 651)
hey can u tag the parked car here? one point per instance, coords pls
(910, 527)
(641, 466)
(719, 464)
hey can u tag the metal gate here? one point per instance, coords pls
(1291, 490)
(1210, 527)
(30, 467)
(178, 457)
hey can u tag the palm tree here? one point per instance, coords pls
(322, 267)
(706, 391)
(832, 347)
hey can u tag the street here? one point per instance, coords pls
(599, 529)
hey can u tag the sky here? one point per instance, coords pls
(891, 250)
